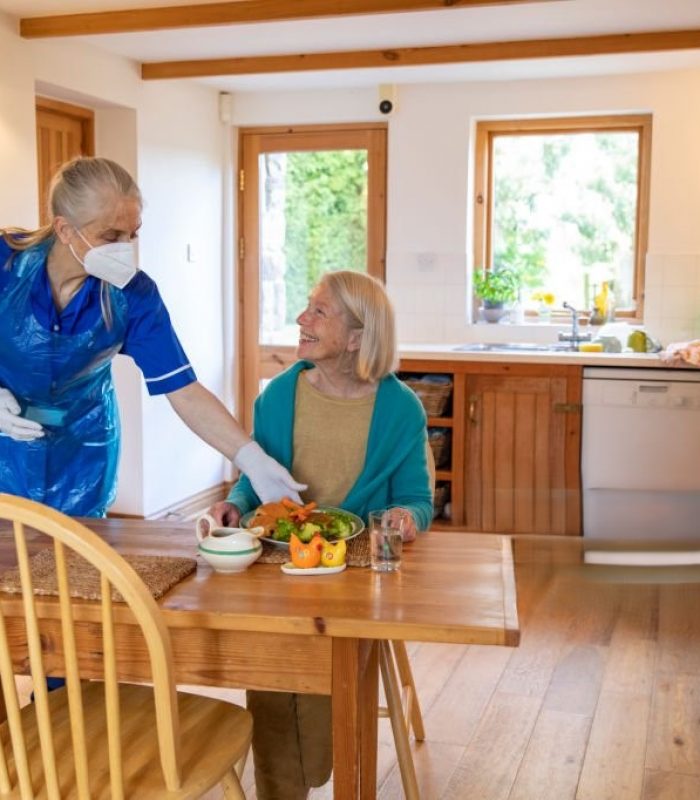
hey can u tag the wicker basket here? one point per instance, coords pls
(433, 396)
(441, 496)
(440, 441)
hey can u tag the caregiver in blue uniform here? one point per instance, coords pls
(71, 298)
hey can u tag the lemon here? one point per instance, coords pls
(637, 341)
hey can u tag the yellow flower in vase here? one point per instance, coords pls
(545, 302)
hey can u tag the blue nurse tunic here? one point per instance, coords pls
(57, 364)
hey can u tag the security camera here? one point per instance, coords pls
(387, 98)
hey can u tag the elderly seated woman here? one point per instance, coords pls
(346, 426)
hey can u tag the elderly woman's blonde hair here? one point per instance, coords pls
(364, 301)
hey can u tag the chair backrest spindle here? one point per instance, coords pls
(111, 692)
(70, 657)
(9, 691)
(41, 695)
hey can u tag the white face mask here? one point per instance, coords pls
(114, 262)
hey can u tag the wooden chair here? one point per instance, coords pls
(92, 739)
(402, 705)
(402, 708)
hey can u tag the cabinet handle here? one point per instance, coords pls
(568, 408)
(472, 410)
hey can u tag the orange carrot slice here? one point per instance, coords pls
(290, 504)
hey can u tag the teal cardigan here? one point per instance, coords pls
(395, 472)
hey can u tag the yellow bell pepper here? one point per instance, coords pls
(333, 553)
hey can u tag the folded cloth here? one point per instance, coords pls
(688, 352)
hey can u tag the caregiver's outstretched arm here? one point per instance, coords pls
(206, 415)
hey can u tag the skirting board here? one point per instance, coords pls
(192, 507)
(188, 508)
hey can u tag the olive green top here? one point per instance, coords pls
(330, 442)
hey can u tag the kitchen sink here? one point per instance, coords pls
(512, 347)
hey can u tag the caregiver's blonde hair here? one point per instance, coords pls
(80, 190)
(367, 308)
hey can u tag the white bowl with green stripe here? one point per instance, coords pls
(230, 549)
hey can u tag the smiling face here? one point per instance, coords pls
(324, 333)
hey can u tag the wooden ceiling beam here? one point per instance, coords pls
(420, 56)
(231, 13)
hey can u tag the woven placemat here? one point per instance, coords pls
(159, 573)
(357, 553)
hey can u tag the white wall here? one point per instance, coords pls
(169, 136)
(429, 202)
(179, 171)
(18, 168)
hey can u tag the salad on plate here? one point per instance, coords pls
(284, 518)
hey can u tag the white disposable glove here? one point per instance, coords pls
(14, 426)
(270, 480)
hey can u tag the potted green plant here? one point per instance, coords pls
(496, 287)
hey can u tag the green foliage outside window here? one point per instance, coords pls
(564, 211)
(326, 219)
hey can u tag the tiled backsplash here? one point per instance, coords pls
(672, 301)
(429, 292)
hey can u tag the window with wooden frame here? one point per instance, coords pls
(564, 203)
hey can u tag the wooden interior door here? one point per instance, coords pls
(522, 449)
(63, 131)
(262, 258)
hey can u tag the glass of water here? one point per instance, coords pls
(386, 541)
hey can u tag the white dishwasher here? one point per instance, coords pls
(640, 458)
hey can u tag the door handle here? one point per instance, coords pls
(568, 408)
(654, 387)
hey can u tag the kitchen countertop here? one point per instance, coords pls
(440, 352)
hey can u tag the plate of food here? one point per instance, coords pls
(280, 520)
(291, 569)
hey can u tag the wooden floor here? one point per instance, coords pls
(601, 700)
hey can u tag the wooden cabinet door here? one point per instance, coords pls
(523, 438)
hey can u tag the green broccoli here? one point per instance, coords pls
(284, 529)
(340, 526)
(307, 531)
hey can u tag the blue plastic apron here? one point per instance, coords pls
(64, 382)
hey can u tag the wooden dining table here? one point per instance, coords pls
(263, 629)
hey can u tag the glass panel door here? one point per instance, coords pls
(312, 201)
(313, 219)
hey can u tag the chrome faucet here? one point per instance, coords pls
(575, 336)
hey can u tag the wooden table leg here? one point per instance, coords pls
(355, 698)
(369, 707)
